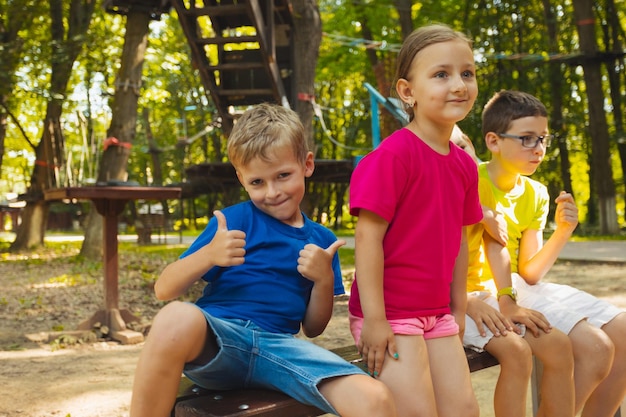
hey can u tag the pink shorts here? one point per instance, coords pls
(431, 327)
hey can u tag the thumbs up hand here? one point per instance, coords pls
(227, 248)
(315, 263)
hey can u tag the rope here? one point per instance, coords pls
(317, 110)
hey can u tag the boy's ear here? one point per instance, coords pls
(309, 165)
(492, 142)
(239, 178)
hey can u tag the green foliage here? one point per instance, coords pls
(511, 41)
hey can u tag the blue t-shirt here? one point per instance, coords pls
(267, 288)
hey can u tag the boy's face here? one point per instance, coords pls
(463, 141)
(511, 153)
(277, 187)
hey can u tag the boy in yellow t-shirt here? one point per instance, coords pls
(515, 129)
(497, 324)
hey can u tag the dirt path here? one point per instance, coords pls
(95, 380)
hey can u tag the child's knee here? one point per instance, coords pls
(593, 346)
(358, 395)
(379, 398)
(514, 355)
(556, 351)
(176, 323)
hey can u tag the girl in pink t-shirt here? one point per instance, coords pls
(413, 196)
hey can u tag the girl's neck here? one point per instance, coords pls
(437, 137)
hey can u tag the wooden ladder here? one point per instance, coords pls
(243, 50)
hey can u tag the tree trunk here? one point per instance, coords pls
(612, 35)
(598, 127)
(556, 96)
(49, 153)
(114, 161)
(307, 30)
(157, 173)
(11, 47)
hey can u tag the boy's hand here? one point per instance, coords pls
(485, 315)
(227, 248)
(566, 216)
(315, 263)
(533, 320)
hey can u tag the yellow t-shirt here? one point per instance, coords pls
(525, 207)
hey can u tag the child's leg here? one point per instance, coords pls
(567, 308)
(451, 378)
(593, 358)
(358, 395)
(608, 396)
(515, 358)
(557, 384)
(409, 378)
(516, 365)
(177, 336)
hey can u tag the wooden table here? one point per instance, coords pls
(110, 202)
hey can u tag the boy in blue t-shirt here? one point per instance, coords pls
(269, 271)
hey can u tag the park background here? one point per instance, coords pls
(79, 77)
(69, 83)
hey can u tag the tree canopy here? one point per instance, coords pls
(569, 54)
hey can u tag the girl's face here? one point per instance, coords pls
(277, 186)
(442, 82)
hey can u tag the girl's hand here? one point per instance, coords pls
(377, 339)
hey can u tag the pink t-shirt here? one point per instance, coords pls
(426, 198)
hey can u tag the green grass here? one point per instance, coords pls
(346, 256)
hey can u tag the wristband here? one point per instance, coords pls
(510, 291)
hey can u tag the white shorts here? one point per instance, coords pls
(562, 305)
(472, 338)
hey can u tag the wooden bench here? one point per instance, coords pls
(193, 401)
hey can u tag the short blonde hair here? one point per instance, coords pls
(265, 127)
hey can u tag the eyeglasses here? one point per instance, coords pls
(530, 141)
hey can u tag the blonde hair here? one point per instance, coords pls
(418, 40)
(262, 128)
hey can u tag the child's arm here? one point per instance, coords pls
(458, 287)
(536, 259)
(315, 264)
(377, 337)
(225, 249)
(500, 265)
(495, 224)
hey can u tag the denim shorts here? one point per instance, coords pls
(250, 357)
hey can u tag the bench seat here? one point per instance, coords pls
(193, 401)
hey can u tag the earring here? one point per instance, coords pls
(410, 104)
